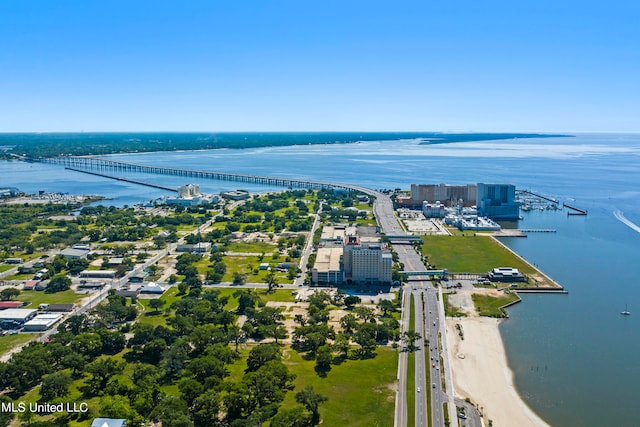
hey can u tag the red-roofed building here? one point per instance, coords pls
(30, 285)
(10, 304)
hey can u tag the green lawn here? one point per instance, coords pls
(281, 295)
(241, 264)
(359, 392)
(6, 267)
(490, 306)
(470, 254)
(7, 342)
(254, 247)
(39, 297)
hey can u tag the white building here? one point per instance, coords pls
(327, 268)
(366, 262)
(42, 322)
(17, 315)
(433, 210)
(189, 190)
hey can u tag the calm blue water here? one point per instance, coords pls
(574, 356)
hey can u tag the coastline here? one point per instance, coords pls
(536, 269)
(481, 373)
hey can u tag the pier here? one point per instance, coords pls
(148, 184)
(538, 230)
(576, 210)
(84, 163)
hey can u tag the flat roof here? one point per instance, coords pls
(328, 259)
(17, 313)
(74, 252)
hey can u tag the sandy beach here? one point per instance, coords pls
(481, 373)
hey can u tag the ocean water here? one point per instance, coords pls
(574, 356)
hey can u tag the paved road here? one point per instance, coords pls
(471, 412)
(430, 322)
(401, 399)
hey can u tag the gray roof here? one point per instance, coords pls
(109, 422)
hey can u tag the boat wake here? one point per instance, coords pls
(620, 217)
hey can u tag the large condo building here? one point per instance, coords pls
(354, 261)
(497, 201)
(447, 194)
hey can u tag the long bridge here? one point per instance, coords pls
(84, 163)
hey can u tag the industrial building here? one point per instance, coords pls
(42, 322)
(98, 274)
(10, 304)
(200, 247)
(74, 253)
(16, 316)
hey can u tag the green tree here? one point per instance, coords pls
(9, 294)
(294, 417)
(261, 354)
(311, 400)
(157, 304)
(351, 300)
(102, 370)
(411, 337)
(59, 283)
(271, 281)
(239, 279)
(119, 407)
(386, 306)
(55, 385)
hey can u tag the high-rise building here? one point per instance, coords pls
(366, 262)
(497, 201)
(447, 194)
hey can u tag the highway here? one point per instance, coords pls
(429, 324)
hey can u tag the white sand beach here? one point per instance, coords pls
(481, 373)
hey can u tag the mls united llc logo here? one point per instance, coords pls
(43, 408)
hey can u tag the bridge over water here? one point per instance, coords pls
(98, 163)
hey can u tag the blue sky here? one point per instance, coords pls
(325, 65)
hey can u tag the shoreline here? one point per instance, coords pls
(481, 373)
(537, 270)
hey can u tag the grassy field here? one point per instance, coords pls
(476, 254)
(490, 306)
(40, 297)
(360, 392)
(281, 295)
(254, 247)
(7, 342)
(241, 264)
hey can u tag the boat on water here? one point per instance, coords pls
(626, 311)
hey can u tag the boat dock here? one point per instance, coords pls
(540, 196)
